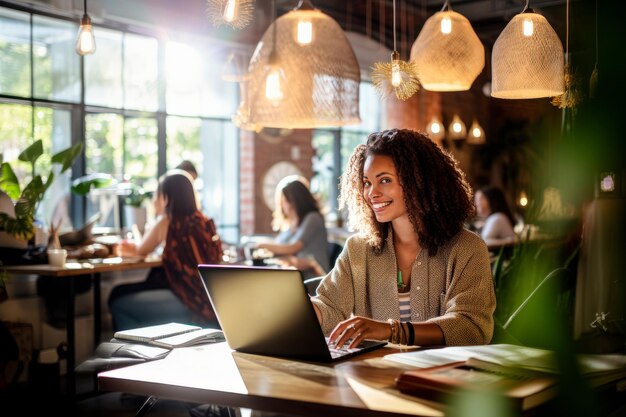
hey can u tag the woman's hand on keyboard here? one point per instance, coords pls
(356, 329)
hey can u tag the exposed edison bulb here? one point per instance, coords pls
(476, 132)
(305, 32)
(446, 25)
(396, 77)
(457, 129)
(529, 27)
(85, 41)
(274, 85)
(523, 200)
(435, 128)
(231, 10)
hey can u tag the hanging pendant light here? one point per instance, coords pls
(527, 60)
(234, 13)
(476, 134)
(457, 129)
(320, 73)
(241, 118)
(447, 52)
(235, 68)
(398, 76)
(435, 129)
(85, 41)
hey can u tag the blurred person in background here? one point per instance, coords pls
(302, 241)
(187, 165)
(493, 209)
(171, 292)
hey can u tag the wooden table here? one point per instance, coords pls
(82, 270)
(362, 386)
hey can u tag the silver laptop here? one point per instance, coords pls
(267, 311)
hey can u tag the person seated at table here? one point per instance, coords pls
(172, 292)
(302, 241)
(493, 209)
(413, 275)
(187, 165)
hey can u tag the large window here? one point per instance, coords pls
(56, 65)
(141, 114)
(52, 126)
(15, 74)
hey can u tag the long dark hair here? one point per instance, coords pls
(497, 201)
(297, 193)
(177, 188)
(437, 196)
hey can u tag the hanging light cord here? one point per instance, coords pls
(85, 7)
(596, 33)
(272, 55)
(394, 25)
(567, 32)
(525, 7)
(446, 6)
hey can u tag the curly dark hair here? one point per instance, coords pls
(437, 196)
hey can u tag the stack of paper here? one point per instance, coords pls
(170, 335)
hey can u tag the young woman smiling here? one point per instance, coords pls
(413, 275)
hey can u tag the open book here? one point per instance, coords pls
(170, 335)
(597, 369)
(523, 388)
(526, 375)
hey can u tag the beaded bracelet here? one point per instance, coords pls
(395, 330)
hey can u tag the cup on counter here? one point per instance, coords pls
(57, 257)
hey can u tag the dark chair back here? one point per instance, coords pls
(334, 249)
(311, 285)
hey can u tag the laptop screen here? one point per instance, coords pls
(265, 310)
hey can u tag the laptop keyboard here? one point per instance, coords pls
(336, 352)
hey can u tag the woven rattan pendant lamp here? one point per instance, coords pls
(447, 52)
(527, 59)
(320, 74)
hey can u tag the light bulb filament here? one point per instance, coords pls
(528, 27)
(476, 132)
(305, 32)
(231, 11)
(446, 25)
(435, 128)
(85, 41)
(396, 77)
(273, 89)
(456, 127)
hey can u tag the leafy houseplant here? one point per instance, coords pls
(29, 195)
(136, 196)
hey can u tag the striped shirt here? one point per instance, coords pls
(405, 306)
(453, 289)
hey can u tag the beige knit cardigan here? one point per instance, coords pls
(453, 289)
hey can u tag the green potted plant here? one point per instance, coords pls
(134, 210)
(136, 196)
(19, 222)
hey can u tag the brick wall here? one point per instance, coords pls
(259, 152)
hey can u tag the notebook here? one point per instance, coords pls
(267, 311)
